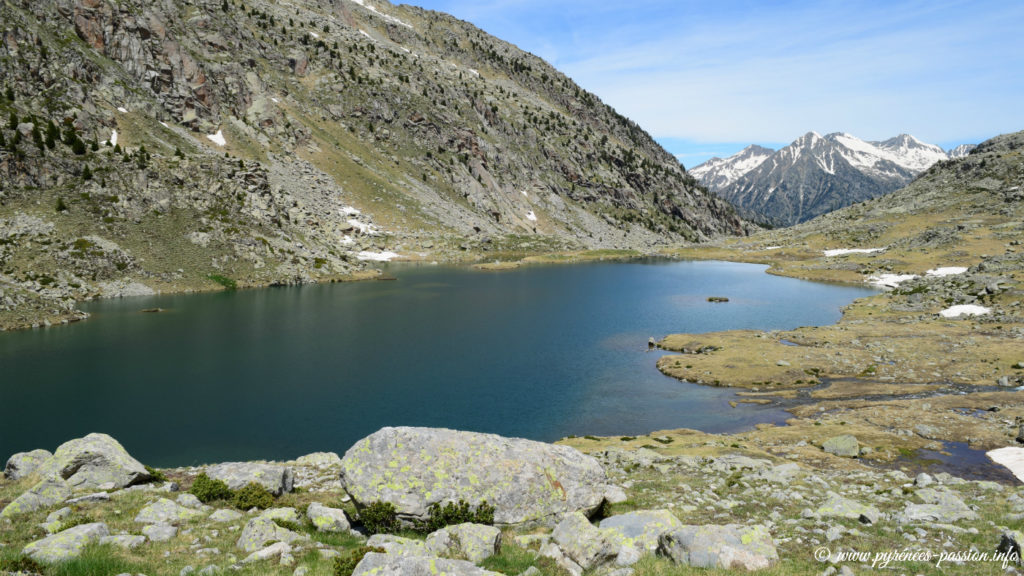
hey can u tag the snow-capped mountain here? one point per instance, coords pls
(816, 174)
(718, 172)
(962, 150)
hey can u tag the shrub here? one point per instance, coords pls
(21, 564)
(345, 565)
(61, 206)
(452, 513)
(379, 518)
(158, 476)
(208, 490)
(253, 495)
(224, 281)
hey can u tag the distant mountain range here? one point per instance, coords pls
(817, 174)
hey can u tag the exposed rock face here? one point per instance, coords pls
(730, 547)
(526, 481)
(377, 564)
(92, 462)
(67, 544)
(164, 511)
(275, 478)
(838, 507)
(584, 543)
(24, 463)
(845, 445)
(260, 531)
(327, 519)
(941, 506)
(643, 528)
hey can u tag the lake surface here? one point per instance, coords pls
(540, 352)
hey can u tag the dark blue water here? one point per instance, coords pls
(540, 352)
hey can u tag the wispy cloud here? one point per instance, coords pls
(727, 72)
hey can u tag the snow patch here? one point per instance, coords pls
(164, 124)
(948, 271)
(275, 100)
(844, 251)
(376, 256)
(217, 138)
(122, 109)
(349, 211)
(365, 33)
(366, 229)
(1011, 457)
(113, 138)
(525, 194)
(474, 72)
(890, 280)
(531, 216)
(964, 310)
(314, 35)
(771, 248)
(347, 241)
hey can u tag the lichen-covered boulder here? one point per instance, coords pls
(586, 544)
(941, 506)
(328, 519)
(126, 541)
(836, 506)
(527, 482)
(277, 479)
(290, 515)
(22, 464)
(67, 544)
(398, 545)
(225, 515)
(49, 492)
(261, 531)
(377, 564)
(160, 532)
(94, 461)
(165, 511)
(731, 547)
(642, 528)
(845, 445)
(473, 542)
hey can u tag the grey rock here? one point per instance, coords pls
(160, 532)
(398, 545)
(584, 543)
(328, 519)
(165, 511)
(845, 445)
(95, 460)
(126, 541)
(940, 506)
(836, 506)
(275, 550)
(527, 482)
(225, 516)
(642, 528)
(94, 497)
(319, 459)
(209, 570)
(285, 514)
(923, 480)
(275, 478)
(730, 547)
(473, 542)
(260, 531)
(45, 494)
(54, 520)
(1010, 544)
(552, 551)
(377, 564)
(189, 501)
(67, 544)
(22, 464)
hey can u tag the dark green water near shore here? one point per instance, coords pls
(539, 352)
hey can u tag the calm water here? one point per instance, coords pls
(541, 352)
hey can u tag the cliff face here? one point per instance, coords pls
(267, 143)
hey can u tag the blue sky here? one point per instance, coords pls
(707, 78)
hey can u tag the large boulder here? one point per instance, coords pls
(845, 445)
(165, 511)
(95, 462)
(328, 519)
(527, 482)
(642, 528)
(586, 544)
(45, 494)
(398, 545)
(275, 478)
(67, 544)
(261, 531)
(730, 547)
(22, 464)
(473, 542)
(377, 564)
(836, 506)
(941, 506)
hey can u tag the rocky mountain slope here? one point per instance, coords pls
(180, 145)
(815, 175)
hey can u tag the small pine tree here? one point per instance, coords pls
(86, 173)
(10, 94)
(3, 140)
(94, 145)
(12, 122)
(117, 148)
(61, 206)
(37, 138)
(78, 147)
(178, 152)
(51, 135)
(225, 7)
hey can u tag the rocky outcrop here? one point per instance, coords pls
(67, 544)
(94, 462)
(45, 494)
(261, 531)
(164, 511)
(938, 505)
(327, 519)
(473, 542)
(527, 482)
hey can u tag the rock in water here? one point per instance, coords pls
(379, 564)
(24, 463)
(87, 463)
(275, 478)
(67, 544)
(527, 482)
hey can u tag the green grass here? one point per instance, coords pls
(224, 281)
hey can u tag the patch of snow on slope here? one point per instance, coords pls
(376, 256)
(122, 110)
(947, 271)
(1011, 457)
(845, 251)
(217, 138)
(964, 310)
(890, 280)
(531, 216)
(113, 138)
